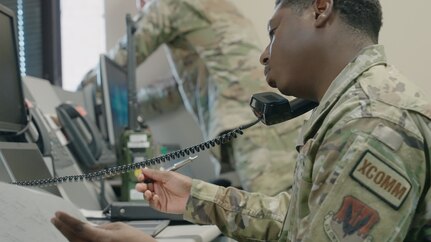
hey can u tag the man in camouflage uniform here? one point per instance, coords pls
(215, 49)
(363, 171)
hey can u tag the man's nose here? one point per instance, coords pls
(264, 57)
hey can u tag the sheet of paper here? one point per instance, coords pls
(25, 214)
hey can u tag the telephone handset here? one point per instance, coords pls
(270, 108)
(84, 143)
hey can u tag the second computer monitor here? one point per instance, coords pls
(113, 80)
(13, 117)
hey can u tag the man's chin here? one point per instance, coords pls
(285, 91)
(272, 83)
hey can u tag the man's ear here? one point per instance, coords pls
(322, 10)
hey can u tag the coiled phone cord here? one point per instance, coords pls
(117, 170)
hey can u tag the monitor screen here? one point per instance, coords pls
(12, 110)
(113, 80)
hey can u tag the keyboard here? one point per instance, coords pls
(150, 227)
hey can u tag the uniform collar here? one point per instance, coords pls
(368, 57)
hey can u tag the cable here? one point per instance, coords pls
(24, 129)
(117, 170)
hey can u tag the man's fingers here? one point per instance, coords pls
(155, 175)
(148, 195)
(65, 229)
(141, 177)
(153, 199)
(70, 226)
(69, 220)
(141, 187)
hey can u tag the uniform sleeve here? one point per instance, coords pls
(238, 214)
(160, 22)
(364, 185)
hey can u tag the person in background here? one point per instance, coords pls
(363, 170)
(214, 49)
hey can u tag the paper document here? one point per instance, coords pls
(26, 214)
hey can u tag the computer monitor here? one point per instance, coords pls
(13, 117)
(113, 80)
(24, 162)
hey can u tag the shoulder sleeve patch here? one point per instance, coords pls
(381, 179)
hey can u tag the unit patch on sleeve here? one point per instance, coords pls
(381, 179)
(353, 221)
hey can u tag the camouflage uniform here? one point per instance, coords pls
(362, 173)
(216, 54)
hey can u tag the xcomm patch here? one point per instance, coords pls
(381, 179)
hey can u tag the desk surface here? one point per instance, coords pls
(27, 213)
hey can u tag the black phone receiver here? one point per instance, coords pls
(272, 108)
(83, 140)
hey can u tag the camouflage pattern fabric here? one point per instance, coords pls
(216, 53)
(362, 173)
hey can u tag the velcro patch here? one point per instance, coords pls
(381, 179)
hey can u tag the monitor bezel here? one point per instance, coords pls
(8, 126)
(102, 79)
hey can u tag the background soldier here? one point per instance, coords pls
(215, 48)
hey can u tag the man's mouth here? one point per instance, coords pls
(270, 82)
(266, 71)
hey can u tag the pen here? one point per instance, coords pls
(175, 167)
(180, 164)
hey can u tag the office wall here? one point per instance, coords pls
(406, 32)
(115, 15)
(258, 12)
(407, 36)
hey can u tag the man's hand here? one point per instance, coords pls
(168, 192)
(77, 231)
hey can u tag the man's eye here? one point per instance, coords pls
(272, 32)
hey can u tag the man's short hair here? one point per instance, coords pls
(362, 15)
